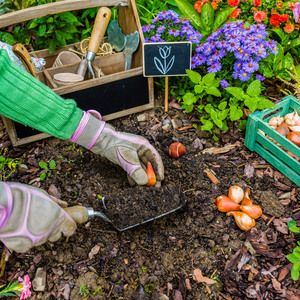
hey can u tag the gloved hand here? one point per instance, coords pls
(29, 217)
(129, 151)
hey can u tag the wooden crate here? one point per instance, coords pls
(271, 145)
(117, 94)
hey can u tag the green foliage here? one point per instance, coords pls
(12, 289)
(8, 166)
(207, 21)
(251, 98)
(277, 65)
(47, 167)
(214, 114)
(148, 9)
(294, 257)
(84, 290)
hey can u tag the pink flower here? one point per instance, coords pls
(296, 12)
(26, 285)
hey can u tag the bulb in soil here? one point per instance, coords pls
(151, 175)
(242, 220)
(225, 204)
(176, 150)
(236, 193)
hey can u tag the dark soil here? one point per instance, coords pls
(133, 206)
(157, 260)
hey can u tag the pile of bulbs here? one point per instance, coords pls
(288, 126)
(239, 205)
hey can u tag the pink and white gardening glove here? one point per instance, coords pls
(29, 217)
(131, 152)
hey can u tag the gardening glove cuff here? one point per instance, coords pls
(29, 217)
(131, 152)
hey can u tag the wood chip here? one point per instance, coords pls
(225, 149)
(188, 284)
(211, 175)
(284, 272)
(198, 277)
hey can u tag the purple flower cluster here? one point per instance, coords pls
(168, 27)
(237, 45)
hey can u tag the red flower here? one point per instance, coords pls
(233, 2)
(275, 20)
(284, 18)
(256, 3)
(260, 16)
(198, 6)
(235, 13)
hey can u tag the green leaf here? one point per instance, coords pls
(288, 62)
(222, 17)
(216, 120)
(52, 164)
(266, 69)
(293, 258)
(277, 63)
(236, 92)
(209, 108)
(33, 24)
(207, 125)
(7, 38)
(189, 98)
(68, 17)
(254, 88)
(207, 17)
(264, 103)
(294, 43)
(43, 165)
(213, 91)
(208, 79)
(295, 272)
(43, 176)
(292, 225)
(235, 113)
(222, 105)
(222, 115)
(251, 103)
(42, 30)
(199, 89)
(194, 76)
(187, 10)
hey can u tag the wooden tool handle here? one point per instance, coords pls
(78, 213)
(100, 25)
(23, 54)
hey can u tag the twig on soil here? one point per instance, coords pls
(104, 231)
(212, 177)
(270, 221)
(297, 209)
(189, 190)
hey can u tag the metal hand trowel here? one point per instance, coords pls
(82, 214)
(120, 42)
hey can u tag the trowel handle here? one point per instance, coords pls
(78, 213)
(100, 25)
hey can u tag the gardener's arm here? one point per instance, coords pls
(28, 101)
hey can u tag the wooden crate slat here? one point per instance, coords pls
(282, 155)
(54, 8)
(283, 168)
(262, 138)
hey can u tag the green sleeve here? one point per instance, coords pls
(26, 100)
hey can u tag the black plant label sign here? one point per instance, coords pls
(166, 59)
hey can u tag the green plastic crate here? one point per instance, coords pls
(261, 138)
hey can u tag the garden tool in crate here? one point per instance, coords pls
(120, 42)
(99, 29)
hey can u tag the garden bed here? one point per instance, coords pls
(162, 256)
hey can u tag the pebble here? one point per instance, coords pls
(176, 123)
(197, 144)
(142, 118)
(39, 281)
(163, 297)
(67, 291)
(132, 246)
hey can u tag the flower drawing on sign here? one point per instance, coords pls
(163, 65)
